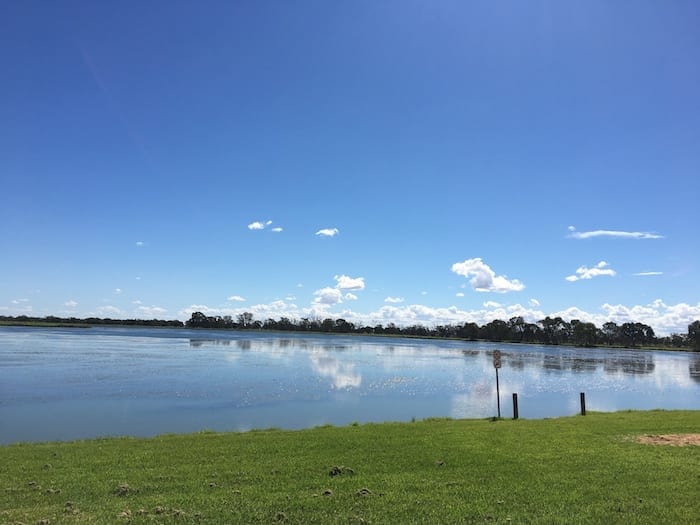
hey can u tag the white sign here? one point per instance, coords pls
(497, 359)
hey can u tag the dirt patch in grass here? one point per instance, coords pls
(676, 440)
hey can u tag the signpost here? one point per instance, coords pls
(497, 365)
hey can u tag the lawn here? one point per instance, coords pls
(568, 470)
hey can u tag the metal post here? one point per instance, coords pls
(583, 403)
(515, 405)
(498, 395)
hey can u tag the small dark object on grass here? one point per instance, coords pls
(328, 492)
(364, 492)
(440, 463)
(337, 471)
(124, 490)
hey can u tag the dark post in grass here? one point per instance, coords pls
(497, 365)
(583, 403)
(515, 405)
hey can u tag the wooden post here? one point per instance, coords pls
(515, 405)
(498, 395)
(583, 403)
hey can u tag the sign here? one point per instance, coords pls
(497, 359)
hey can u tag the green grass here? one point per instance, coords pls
(567, 470)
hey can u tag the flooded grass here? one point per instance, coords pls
(567, 470)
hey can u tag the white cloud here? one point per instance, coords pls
(235, 298)
(151, 311)
(533, 302)
(260, 225)
(136, 302)
(459, 294)
(646, 274)
(103, 311)
(71, 304)
(290, 298)
(348, 283)
(393, 300)
(491, 304)
(484, 279)
(19, 301)
(140, 244)
(117, 291)
(612, 233)
(328, 296)
(350, 297)
(328, 232)
(588, 273)
(424, 293)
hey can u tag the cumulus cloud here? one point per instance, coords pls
(459, 294)
(328, 296)
(260, 225)
(328, 232)
(612, 233)
(533, 302)
(117, 291)
(235, 298)
(584, 272)
(71, 304)
(343, 282)
(647, 274)
(484, 279)
(393, 300)
(109, 310)
(151, 311)
(350, 297)
(491, 304)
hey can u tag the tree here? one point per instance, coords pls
(584, 333)
(694, 335)
(245, 320)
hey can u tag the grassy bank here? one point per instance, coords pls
(569, 470)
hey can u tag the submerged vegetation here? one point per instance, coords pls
(549, 331)
(592, 469)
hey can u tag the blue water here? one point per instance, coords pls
(62, 384)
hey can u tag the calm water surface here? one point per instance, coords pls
(58, 384)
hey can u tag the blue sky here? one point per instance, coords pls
(404, 162)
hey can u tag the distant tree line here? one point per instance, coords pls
(53, 320)
(550, 331)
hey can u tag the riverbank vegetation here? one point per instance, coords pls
(548, 331)
(592, 469)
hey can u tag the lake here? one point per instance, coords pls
(64, 384)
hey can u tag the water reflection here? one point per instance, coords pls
(636, 363)
(61, 384)
(694, 368)
(197, 343)
(343, 375)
